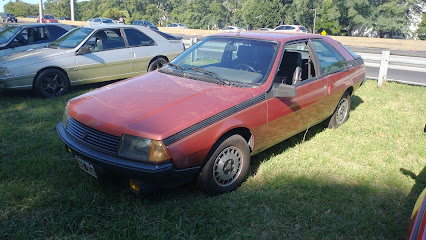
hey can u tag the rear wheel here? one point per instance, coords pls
(341, 113)
(227, 166)
(51, 83)
(157, 64)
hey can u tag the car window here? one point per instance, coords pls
(296, 64)
(72, 39)
(107, 21)
(8, 33)
(35, 35)
(55, 31)
(329, 59)
(137, 38)
(106, 39)
(280, 28)
(232, 59)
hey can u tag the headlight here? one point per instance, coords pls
(65, 117)
(142, 149)
(5, 72)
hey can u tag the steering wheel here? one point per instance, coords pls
(245, 67)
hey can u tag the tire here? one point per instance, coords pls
(157, 64)
(227, 166)
(51, 83)
(341, 113)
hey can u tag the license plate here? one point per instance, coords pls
(87, 167)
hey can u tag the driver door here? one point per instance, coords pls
(109, 58)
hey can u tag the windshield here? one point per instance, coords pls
(227, 60)
(107, 21)
(8, 33)
(49, 17)
(72, 39)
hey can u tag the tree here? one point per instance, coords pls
(421, 32)
(58, 8)
(263, 13)
(21, 9)
(390, 18)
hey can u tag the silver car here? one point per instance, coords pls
(19, 38)
(87, 55)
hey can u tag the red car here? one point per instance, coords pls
(203, 115)
(47, 18)
(417, 224)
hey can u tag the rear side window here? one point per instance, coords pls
(167, 36)
(329, 59)
(137, 38)
(55, 31)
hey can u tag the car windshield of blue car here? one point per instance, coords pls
(71, 39)
(226, 60)
(8, 33)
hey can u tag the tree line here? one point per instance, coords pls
(389, 18)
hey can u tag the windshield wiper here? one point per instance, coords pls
(210, 73)
(178, 67)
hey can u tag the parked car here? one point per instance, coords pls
(232, 29)
(19, 38)
(8, 17)
(65, 18)
(145, 23)
(265, 29)
(417, 224)
(86, 55)
(201, 117)
(47, 18)
(290, 28)
(99, 21)
(177, 25)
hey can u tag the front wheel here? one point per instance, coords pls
(51, 83)
(341, 113)
(157, 64)
(226, 167)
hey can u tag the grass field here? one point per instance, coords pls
(359, 181)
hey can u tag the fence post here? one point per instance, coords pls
(193, 41)
(383, 67)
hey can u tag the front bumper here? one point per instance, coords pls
(17, 83)
(149, 176)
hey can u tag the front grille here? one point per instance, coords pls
(93, 138)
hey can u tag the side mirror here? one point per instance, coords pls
(83, 50)
(283, 90)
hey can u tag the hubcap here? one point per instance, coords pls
(342, 111)
(53, 84)
(227, 166)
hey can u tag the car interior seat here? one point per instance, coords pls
(244, 55)
(290, 71)
(101, 41)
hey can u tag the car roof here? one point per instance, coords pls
(42, 24)
(270, 35)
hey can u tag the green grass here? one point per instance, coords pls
(359, 181)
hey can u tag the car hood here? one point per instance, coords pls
(154, 105)
(30, 56)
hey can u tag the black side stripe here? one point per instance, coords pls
(213, 119)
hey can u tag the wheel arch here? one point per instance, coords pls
(51, 67)
(350, 90)
(242, 131)
(155, 58)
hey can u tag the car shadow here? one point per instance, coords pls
(355, 102)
